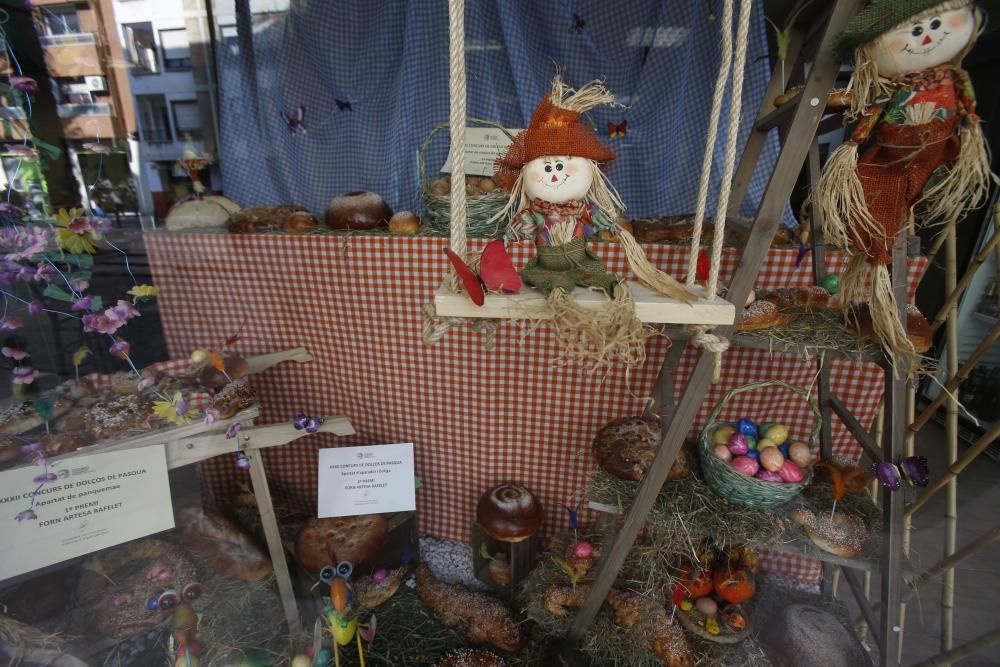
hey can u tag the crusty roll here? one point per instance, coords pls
(810, 298)
(625, 448)
(509, 512)
(760, 315)
(846, 536)
(293, 219)
(323, 542)
(669, 228)
(235, 396)
(223, 544)
(404, 223)
(918, 329)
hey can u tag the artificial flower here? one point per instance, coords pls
(40, 460)
(31, 448)
(81, 353)
(300, 421)
(45, 272)
(26, 515)
(11, 210)
(14, 353)
(45, 477)
(313, 424)
(916, 470)
(25, 274)
(887, 473)
(143, 291)
(24, 374)
(35, 307)
(211, 416)
(83, 303)
(242, 462)
(168, 410)
(76, 233)
(10, 324)
(234, 429)
(79, 284)
(120, 349)
(111, 319)
(145, 383)
(26, 240)
(25, 84)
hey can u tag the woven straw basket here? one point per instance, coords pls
(733, 485)
(481, 208)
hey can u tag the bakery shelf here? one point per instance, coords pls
(531, 304)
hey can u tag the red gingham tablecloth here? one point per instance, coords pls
(476, 416)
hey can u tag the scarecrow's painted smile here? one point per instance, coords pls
(934, 39)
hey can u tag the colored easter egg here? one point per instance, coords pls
(754, 454)
(707, 606)
(752, 442)
(764, 443)
(746, 427)
(379, 575)
(777, 432)
(302, 661)
(763, 426)
(738, 444)
(323, 657)
(722, 452)
(721, 435)
(799, 452)
(768, 476)
(745, 465)
(831, 283)
(771, 459)
(187, 661)
(790, 472)
(783, 448)
(583, 550)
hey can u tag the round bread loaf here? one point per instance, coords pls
(762, 314)
(845, 536)
(209, 211)
(358, 210)
(117, 417)
(509, 513)
(356, 539)
(223, 544)
(404, 222)
(626, 447)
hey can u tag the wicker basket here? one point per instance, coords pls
(481, 208)
(733, 485)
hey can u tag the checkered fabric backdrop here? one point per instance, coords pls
(373, 90)
(476, 416)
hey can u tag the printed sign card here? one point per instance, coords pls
(366, 480)
(483, 145)
(95, 501)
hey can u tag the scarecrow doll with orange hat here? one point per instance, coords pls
(917, 145)
(560, 197)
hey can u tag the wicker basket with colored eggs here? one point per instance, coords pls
(755, 465)
(712, 598)
(484, 197)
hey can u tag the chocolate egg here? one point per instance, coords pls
(707, 606)
(745, 465)
(721, 435)
(746, 427)
(738, 444)
(800, 453)
(777, 432)
(764, 443)
(722, 452)
(771, 459)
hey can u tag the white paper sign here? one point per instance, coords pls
(366, 480)
(95, 502)
(483, 145)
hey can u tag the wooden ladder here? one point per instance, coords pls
(798, 123)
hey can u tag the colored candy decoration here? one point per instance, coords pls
(738, 444)
(746, 427)
(790, 472)
(721, 435)
(831, 283)
(722, 452)
(764, 443)
(745, 465)
(776, 432)
(768, 476)
(771, 459)
(799, 452)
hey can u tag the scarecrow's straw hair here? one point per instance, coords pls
(580, 100)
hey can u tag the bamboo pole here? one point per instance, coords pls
(957, 467)
(967, 551)
(956, 292)
(977, 645)
(951, 436)
(958, 378)
(909, 448)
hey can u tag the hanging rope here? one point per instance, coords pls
(456, 124)
(701, 336)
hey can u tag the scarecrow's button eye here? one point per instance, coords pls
(918, 30)
(559, 166)
(935, 24)
(548, 168)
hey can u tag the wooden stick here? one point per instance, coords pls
(957, 467)
(951, 437)
(955, 293)
(866, 441)
(951, 561)
(851, 577)
(957, 379)
(265, 361)
(977, 645)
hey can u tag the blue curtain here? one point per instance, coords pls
(372, 77)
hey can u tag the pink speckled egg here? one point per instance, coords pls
(771, 459)
(790, 472)
(799, 452)
(738, 444)
(768, 476)
(722, 452)
(721, 435)
(583, 550)
(380, 575)
(745, 465)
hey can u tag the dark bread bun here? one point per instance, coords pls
(509, 512)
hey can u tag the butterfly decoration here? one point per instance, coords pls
(578, 25)
(619, 130)
(343, 105)
(296, 121)
(912, 468)
(496, 272)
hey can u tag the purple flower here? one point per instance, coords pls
(24, 374)
(10, 324)
(40, 460)
(234, 429)
(100, 323)
(181, 407)
(46, 272)
(11, 210)
(26, 515)
(313, 424)
(15, 353)
(82, 303)
(124, 310)
(31, 448)
(211, 416)
(25, 275)
(300, 421)
(120, 349)
(25, 84)
(916, 470)
(45, 477)
(35, 307)
(887, 473)
(145, 383)
(242, 462)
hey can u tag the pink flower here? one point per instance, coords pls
(24, 374)
(124, 310)
(145, 383)
(35, 307)
(120, 349)
(101, 323)
(10, 324)
(25, 275)
(25, 84)
(13, 353)
(80, 225)
(82, 303)
(46, 272)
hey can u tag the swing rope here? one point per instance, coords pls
(456, 125)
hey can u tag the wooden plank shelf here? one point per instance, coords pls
(531, 304)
